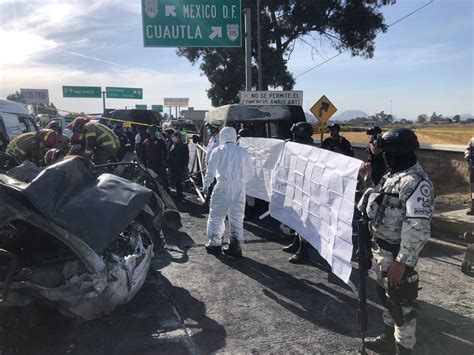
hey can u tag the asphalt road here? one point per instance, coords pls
(195, 303)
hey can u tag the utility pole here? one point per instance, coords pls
(259, 49)
(248, 49)
(390, 107)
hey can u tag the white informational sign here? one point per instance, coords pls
(176, 102)
(313, 192)
(265, 154)
(35, 96)
(292, 98)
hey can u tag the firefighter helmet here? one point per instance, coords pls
(48, 137)
(52, 156)
(78, 124)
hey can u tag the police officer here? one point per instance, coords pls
(336, 142)
(101, 143)
(301, 132)
(32, 146)
(156, 154)
(375, 157)
(400, 209)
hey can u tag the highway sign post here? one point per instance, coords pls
(124, 93)
(323, 110)
(157, 108)
(82, 91)
(185, 23)
(35, 96)
(292, 98)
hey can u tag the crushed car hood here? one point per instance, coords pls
(94, 209)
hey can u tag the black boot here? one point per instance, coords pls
(294, 246)
(233, 249)
(384, 343)
(301, 254)
(213, 249)
(401, 350)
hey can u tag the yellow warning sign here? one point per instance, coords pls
(323, 109)
(319, 129)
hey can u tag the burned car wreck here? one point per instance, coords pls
(73, 239)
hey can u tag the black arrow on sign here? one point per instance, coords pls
(324, 108)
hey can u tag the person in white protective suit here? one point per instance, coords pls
(231, 165)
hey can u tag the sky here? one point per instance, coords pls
(423, 64)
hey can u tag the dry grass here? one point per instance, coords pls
(429, 134)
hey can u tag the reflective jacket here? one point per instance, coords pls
(99, 137)
(25, 147)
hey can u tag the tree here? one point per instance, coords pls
(48, 109)
(344, 25)
(382, 117)
(435, 118)
(16, 97)
(457, 119)
(422, 118)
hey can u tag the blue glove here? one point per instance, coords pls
(205, 190)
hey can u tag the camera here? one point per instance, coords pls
(374, 131)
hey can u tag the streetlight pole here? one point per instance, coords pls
(248, 49)
(259, 48)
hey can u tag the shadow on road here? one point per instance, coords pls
(323, 306)
(207, 335)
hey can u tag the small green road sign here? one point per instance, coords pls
(82, 91)
(124, 93)
(191, 23)
(141, 107)
(157, 108)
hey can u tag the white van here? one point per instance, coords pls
(15, 119)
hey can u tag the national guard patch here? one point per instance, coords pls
(419, 205)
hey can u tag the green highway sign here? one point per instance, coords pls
(141, 107)
(157, 108)
(123, 93)
(82, 91)
(192, 23)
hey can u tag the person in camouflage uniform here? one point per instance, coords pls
(399, 208)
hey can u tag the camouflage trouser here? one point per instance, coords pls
(404, 335)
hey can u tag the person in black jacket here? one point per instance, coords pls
(178, 162)
(126, 144)
(302, 133)
(156, 154)
(336, 142)
(375, 156)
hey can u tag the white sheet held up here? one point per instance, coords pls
(313, 192)
(265, 154)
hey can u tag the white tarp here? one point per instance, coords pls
(313, 192)
(265, 154)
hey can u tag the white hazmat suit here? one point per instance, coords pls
(232, 166)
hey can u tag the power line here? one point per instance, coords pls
(364, 40)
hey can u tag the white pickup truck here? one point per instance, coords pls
(14, 120)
